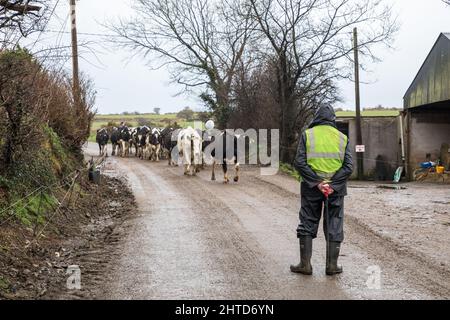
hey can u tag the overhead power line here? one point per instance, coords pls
(86, 33)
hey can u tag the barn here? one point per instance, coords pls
(381, 137)
(427, 109)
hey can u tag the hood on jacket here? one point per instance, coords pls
(325, 115)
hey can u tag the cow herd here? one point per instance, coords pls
(178, 146)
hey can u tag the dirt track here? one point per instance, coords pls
(197, 239)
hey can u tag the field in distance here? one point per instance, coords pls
(135, 120)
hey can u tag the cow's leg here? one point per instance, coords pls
(158, 148)
(213, 173)
(194, 168)
(236, 169)
(225, 171)
(148, 153)
(124, 149)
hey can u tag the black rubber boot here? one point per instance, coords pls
(332, 258)
(304, 267)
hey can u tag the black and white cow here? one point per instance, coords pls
(124, 141)
(102, 140)
(154, 144)
(115, 137)
(169, 142)
(141, 140)
(229, 144)
(134, 140)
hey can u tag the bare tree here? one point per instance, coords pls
(21, 16)
(311, 40)
(202, 40)
(256, 99)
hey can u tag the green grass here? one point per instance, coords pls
(289, 170)
(120, 117)
(369, 113)
(32, 210)
(3, 284)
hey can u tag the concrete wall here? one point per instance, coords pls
(381, 136)
(427, 130)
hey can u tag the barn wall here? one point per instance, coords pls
(429, 129)
(381, 137)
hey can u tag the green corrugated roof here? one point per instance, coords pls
(369, 113)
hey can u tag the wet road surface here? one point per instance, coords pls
(193, 238)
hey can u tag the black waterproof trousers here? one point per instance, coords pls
(311, 212)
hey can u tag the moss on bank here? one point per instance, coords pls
(27, 189)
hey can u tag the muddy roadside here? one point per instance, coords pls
(83, 234)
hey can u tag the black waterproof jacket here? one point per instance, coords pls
(310, 180)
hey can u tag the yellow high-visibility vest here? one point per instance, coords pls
(325, 150)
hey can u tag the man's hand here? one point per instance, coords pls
(325, 188)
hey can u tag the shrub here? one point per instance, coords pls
(42, 130)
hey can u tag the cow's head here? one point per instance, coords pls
(155, 137)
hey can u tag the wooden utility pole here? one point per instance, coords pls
(359, 141)
(75, 70)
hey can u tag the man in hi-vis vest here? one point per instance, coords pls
(324, 161)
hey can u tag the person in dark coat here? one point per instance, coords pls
(324, 161)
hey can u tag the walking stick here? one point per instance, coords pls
(327, 193)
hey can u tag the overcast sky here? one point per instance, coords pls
(125, 84)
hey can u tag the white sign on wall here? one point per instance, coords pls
(360, 149)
